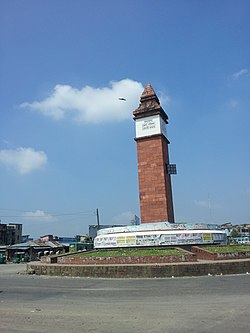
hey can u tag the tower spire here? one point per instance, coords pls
(148, 92)
(149, 104)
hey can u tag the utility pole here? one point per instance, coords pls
(97, 218)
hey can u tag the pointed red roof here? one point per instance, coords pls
(149, 105)
(148, 91)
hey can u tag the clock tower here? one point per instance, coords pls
(156, 201)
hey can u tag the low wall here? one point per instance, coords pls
(84, 260)
(142, 271)
(201, 253)
(49, 259)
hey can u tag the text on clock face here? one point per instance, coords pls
(147, 124)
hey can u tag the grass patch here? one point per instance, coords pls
(227, 248)
(132, 252)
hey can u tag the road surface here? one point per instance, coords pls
(55, 304)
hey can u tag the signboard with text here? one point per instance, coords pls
(151, 125)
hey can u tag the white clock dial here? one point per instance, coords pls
(151, 125)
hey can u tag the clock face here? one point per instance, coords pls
(151, 125)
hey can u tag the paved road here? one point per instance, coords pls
(34, 304)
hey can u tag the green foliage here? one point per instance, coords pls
(227, 248)
(234, 233)
(86, 238)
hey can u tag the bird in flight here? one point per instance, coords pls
(122, 99)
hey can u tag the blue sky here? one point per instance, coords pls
(67, 142)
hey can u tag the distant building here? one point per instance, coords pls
(68, 240)
(3, 234)
(26, 238)
(10, 233)
(47, 238)
(14, 233)
(93, 228)
(242, 229)
(135, 220)
(33, 250)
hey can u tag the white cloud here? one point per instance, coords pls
(24, 160)
(38, 215)
(123, 218)
(164, 99)
(6, 142)
(205, 204)
(241, 73)
(202, 203)
(91, 104)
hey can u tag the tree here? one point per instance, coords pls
(234, 233)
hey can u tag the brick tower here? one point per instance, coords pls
(156, 202)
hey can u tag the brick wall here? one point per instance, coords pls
(81, 260)
(49, 259)
(156, 203)
(206, 255)
(142, 271)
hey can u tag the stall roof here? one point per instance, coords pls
(36, 244)
(18, 247)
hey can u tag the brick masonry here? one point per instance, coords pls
(142, 271)
(156, 203)
(205, 255)
(82, 260)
